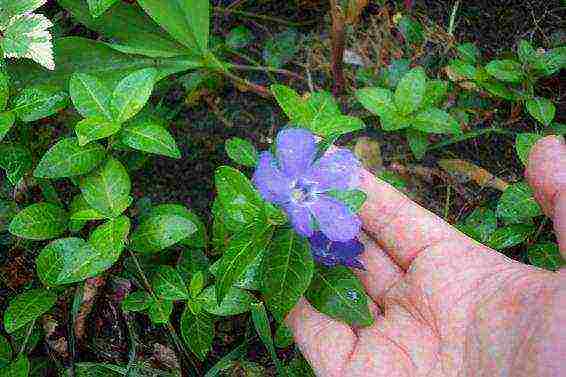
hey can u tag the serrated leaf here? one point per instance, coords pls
(523, 144)
(436, 121)
(26, 36)
(95, 128)
(68, 159)
(509, 236)
(337, 292)
(237, 301)
(295, 107)
(39, 102)
(98, 7)
(505, 70)
(518, 204)
(542, 109)
(168, 284)
(40, 221)
(17, 368)
(135, 302)
(149, 136)
(378, 101)
(185, 20)
(90, 96)
(287, 271)
(239, 255)
(546, 255)
(7, 120)
(11, 8)
(241, 151)
(160, 231)
(418, 142)
(131, 94)
(27, 307)
(16, 160)
(197, 331)
(411, 90)
(107, 189)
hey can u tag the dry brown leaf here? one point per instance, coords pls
(467, 171)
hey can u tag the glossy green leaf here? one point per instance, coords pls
(295, 107)
(185, 20)
(17, 368)
(67, 159)
(197, 331)
(131, 94)
(287, 271)
(241, 151)
(505, 70)
(16, 160)
(509, 236)
(546, 255)
(7, 120)
(261, 323)
(542, 109)
(107, 190)
(135, 302)
(160, 231)
(197, 284)
(378, 101)
(468, 52)
(149, 136)
(459, 70)
(168, 284)
(337, 125)
(238, 198)
(108, 240)
(323, 104)
(480, 224)
(159, 310)
(436, 121)
(523, 144)
(90, 96)
(237, 301)
(518, 204)
(95, 128)
(240, 254)
(40, 221)
(337, 292)
(39, 102)
(418, 142)
(27, 307)
(411, 90)
(196, 239)
(80, 210)
(98, 7)
(251, 278)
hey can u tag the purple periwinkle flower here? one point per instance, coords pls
(331, 253)
(299, 184)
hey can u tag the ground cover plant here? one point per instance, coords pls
(177, 174)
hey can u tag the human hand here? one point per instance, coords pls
(446, 305)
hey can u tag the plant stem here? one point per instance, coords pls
(452, 23)
(256, 66)
(262, 17)
(267, 70)
(338, 42)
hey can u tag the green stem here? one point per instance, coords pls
(267, 70)
(254, 67)
(263, 17)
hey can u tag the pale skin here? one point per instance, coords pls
(446, 305)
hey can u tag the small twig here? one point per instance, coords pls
(267, 70)
(263, 17)
(338, 45)
(258, 89)
(254, 64)
(452, 23)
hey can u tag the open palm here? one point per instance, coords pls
(445, 304)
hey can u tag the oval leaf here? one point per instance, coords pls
(542, 109)
(34, 103)
(241, 151)
(131, 94)
(90, 96)
(237, 301)
(197, 332)
(546, 255)
(518, 204)
(160, 231)
(91, 129)
(149, 136)
(410, 92)
(168, 284)
(505, 70)
(27, 307)
(40, 221)
(436, 121)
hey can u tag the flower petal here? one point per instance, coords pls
(338, 170)
(335, 219)
(330, 253)
(301, 218)
(271, 183)
(296, 149)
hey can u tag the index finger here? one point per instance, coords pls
(400, 226)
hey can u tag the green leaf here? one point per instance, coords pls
(411, 90)
(159, 310)
(251, 278)
(5, 352)
(4, 90)
(526, 52)
(240, 254)
(68, 159)
(468, 52)
(196, 239)
(11, 8)
(378, 101)
(197, 284)
(354, 199)
(279, 49)
(7, 120)
(418, 142)
(295, 107)
(107, 189)
(90, 96)
(505, 70)
(509, 236)
(160, 231)
(238, 198)
(237, 301)
(542, 109)
(149, 136)
(517, 204)
(324, 104)
(197, 331)
(523, 144)
(459, 70)
(109, 240)
(98, 7)
(18, 368)
(185, 20)
(241, 151)
(39, 102)
(435, 93)
(337, 292)
(27, 307)
(337, 125)
(411, 30)
(261, 323)
(135, 302)
(546, 255)
(436, 121)
(40, 221)
(480, 224)
(95, 128)
(16, 160)
(80, 210)
(239, 37)
(283, 336)
(168, 284)
(131, 94)
(287, 271)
